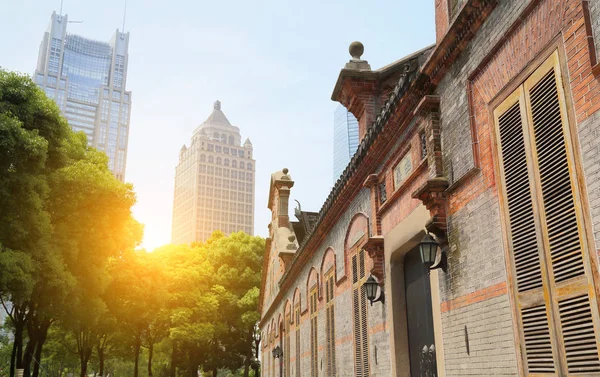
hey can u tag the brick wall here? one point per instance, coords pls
(476, 259)
(473, 292)
(589, 139)
(456, 133)
(595, 16)
(379, 328)
(491, 350)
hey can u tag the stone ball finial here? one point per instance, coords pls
(285, 170)
(217, 105)
(356, 50)
(292, 238)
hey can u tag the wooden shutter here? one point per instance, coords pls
(555, 302)
(298, 340)
(330, 324)
(314, 343)
(286, 350)
(359, 303)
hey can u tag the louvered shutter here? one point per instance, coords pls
(566, 247)
(525, 242)
(359, 302)
(286, 350)
(358, 368)
(327, 328)
(313, 334)
(555, 301)
(330, 325)
(298, 340)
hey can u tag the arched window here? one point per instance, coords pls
(231, 140)
(216, 136)
(202, 158)
(234, 164)
(241, 164)
(223, 138)
(226, 162)
(249, 166)
(218, 160)
(211, 159)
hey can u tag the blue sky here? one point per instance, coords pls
(273, 65)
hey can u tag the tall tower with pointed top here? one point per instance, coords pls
(214, 182)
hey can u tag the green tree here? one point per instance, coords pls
(237, 260)
(63, 216)
(32, 140)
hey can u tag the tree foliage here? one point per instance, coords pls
(79, 298)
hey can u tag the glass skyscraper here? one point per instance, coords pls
(87, 79)
(345, 140)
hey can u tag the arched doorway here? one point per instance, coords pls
(419, 316)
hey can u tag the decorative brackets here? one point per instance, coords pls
(374, 247)
(433, 196)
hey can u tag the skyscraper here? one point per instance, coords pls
(214, 182)
(87, 79)
(345, 139)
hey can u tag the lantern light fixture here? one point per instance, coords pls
(429, 248)
(277, 352)
(371, 286)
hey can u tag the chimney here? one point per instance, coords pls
(279, 195)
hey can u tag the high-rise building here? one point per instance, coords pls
(214, 182)
(345, 139)
(87, 79)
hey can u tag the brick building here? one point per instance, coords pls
(489, 142)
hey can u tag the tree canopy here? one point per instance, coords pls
(79, 297)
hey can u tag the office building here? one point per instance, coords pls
(345, 139)
(214, 182)
(87, 79)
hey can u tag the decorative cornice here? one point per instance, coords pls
(428, 103)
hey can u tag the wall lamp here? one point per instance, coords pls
(429, 248)
(277, 352)
(371, 286)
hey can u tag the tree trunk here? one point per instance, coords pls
(28, 354)
(13, 357)
(150, 353)
(136, 351)
(246, 369)
(16, 361)
(194, 371)
(37, 358)
(42, 336)
(215, 372)
(172, 368)
(101, 360)
(84, 357)
(83, 362)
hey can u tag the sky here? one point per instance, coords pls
(272, 63)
